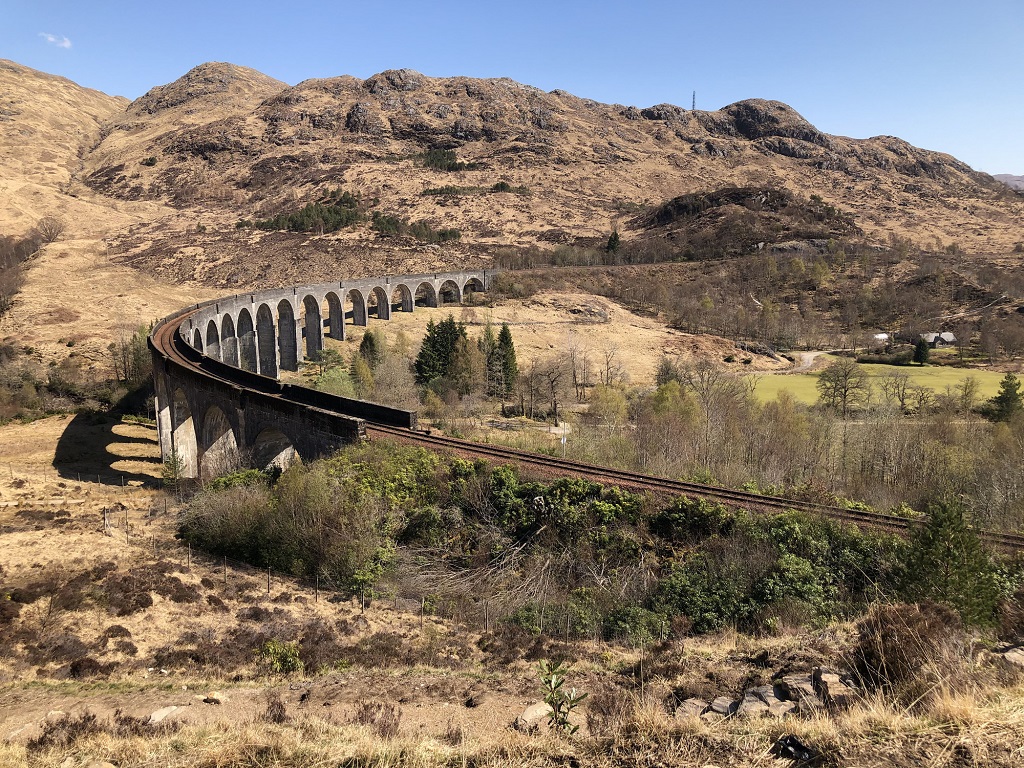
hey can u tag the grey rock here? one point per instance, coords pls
(751, 706)
(691, 708)
(161, 714)
(723, 705)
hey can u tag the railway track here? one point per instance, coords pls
(168, 341)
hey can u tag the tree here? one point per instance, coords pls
(948, 563)
(613, 242)
(1008, 401)
(844, 387)
(507, 355)
(50, 228)
(372, 348)
(922, 351)
(438, 349)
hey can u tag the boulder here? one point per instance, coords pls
(161, 714)
(691, 708)
(751, 706)
(532, 715)
(832, 690)
(722, 705)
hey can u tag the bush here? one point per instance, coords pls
(279, 657)
(445, 160)
(383, 716)
(908, 651)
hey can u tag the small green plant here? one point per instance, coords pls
(149, 161)
(552, 677)
(279, 657)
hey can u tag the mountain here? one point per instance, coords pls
(47, 125)
(1017, 182)
(197, 160)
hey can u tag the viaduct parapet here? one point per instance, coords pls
(216, 367)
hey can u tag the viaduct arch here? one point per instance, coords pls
(220, 403)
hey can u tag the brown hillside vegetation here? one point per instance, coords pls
(240, 144)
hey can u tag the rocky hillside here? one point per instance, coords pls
(199, 161)
(234, 139)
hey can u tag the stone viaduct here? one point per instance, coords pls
(216, 365)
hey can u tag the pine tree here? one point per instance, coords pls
(948, 563)
(438, 349)
(488, 345)
(921, 352)
(613, 242)
(1009, 400)
(506, 353)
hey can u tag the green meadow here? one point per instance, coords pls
(803, 386)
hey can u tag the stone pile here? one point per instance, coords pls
(816, 691)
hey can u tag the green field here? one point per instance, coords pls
(803, 386)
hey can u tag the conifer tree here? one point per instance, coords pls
(922, 352)
(1008, 401)
(438, 350)
(948, 563)
(506, 353)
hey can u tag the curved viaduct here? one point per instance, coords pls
(216, 366)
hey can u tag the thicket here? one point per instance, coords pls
(445, 160)
(574, 556)
(388, 225)
(338, 209)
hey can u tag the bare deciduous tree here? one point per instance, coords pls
(50, 228)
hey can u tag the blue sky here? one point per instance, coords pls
(943, 75)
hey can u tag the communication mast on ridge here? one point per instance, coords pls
(693, 106)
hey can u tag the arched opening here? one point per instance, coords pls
(473, 285)
(379, 306)
(287, 341)
(312, 326)
(228, 341)
(355, 300)
(335, 316)
(197, 340)
(425, 295)
(220, 448)
(266, 341)
(183, 437)
(272, 448)
(449, 294)
(212, 340)
(401, 299)
(246, 341)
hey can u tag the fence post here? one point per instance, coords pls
(189, 561)
(225, 570)
(423, 601)
(268, 579)
(567, 625)
(316, 590)
(126, 539)
(362, 601)
(486, 623)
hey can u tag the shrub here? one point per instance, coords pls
(688, 519)
(562, 703)
(445, 160)
(384, 717)
(279, 657)
(908, 651)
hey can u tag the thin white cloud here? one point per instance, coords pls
(59, 40)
